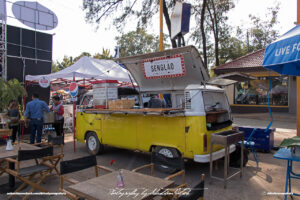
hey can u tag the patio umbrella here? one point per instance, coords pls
(283, 55)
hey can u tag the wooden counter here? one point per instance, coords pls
(4, 132)
(142, 111)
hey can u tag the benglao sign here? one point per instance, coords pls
(164, 67)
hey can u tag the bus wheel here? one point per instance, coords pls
(93, 144)
(167, 152)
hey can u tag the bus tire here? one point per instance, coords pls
(167, 152)
(93, 144)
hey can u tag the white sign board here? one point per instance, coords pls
(100, 93)
(164, 67)
(44, 82)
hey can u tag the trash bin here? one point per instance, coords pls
(264, 141)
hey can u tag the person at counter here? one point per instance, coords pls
(58, 109)
(34, 112)
(156, 102)
(13, 117)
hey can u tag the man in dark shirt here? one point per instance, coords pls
(34, 112)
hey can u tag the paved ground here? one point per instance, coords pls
(256, 182)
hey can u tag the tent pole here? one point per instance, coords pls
(74, 105)
(24, 103)
(298, 79)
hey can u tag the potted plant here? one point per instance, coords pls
(10, 90)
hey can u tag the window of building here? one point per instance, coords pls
(255, 92)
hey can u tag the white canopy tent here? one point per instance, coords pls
(88, 68)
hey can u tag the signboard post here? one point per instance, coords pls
(73, 92)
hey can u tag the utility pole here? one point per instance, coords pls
(161, 36)
(298, 79)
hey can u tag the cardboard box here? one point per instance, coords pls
(121, 104)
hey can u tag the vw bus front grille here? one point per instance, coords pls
(187, 98)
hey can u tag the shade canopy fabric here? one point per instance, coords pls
(283, 55)
(88, 68)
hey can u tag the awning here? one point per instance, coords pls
(230, 78)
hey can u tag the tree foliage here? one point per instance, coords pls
(213, 35)
(262, 31)
(104, 55)
(124, 12)
(212, 29)
(138, 42)
(10, 90)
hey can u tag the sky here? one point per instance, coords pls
(73, 35)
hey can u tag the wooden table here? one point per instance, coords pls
(4, 132)
(137, 186)
(14, 153)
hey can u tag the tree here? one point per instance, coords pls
(81, 55)
(263, 32)
(200, 16)
(212, 34)
(66, 62)
(212, 15)
(127, 11)
(231, 49)
(138, 42)
(54, 67)
(105, 54)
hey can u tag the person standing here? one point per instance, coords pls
(34, 112)
(58, 109)
(13, 117)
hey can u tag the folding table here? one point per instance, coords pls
(285, 154)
